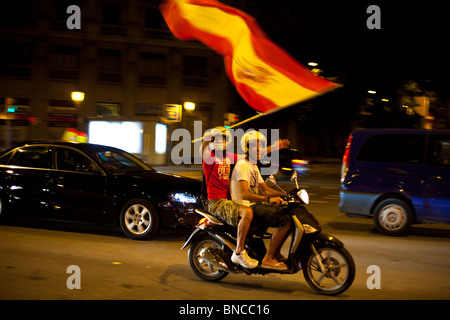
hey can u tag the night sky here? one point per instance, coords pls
(411, 43)
(410, 46)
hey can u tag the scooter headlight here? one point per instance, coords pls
(309, 229)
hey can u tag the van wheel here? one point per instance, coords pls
(392, 217)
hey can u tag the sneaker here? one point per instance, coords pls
(244, 260)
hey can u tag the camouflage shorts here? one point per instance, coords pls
(225, 209)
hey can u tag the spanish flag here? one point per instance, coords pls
(265, 75)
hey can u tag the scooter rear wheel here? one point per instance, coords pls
(339, 270)
(201, 267)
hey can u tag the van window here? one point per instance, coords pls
(439, 150)
(400, 148)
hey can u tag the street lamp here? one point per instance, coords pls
(189, 106)
(77, 96)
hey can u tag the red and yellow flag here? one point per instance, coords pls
(265, 75)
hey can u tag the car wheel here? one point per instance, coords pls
(139, 219)
(392, 217)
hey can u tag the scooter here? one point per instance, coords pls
(327, 266)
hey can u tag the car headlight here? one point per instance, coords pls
(183, 197)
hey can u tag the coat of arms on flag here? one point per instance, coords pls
(265, 75)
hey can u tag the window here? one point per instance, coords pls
(400, 148)
(108, 109)
(194, 66)
(120, 162)
(152, 68)
(4, 158)
(439, 150)
(15, 59)
(110, 60)
(33, 157)
(195, 71)
(72, 160)
(152, 63)
(153, 19)
(110, 65)
(64, 62)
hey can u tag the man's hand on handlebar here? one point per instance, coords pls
(276, 200)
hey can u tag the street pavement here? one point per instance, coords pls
(36, 259)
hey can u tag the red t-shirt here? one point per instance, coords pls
(217, 174)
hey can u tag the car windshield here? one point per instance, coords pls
(120, 162)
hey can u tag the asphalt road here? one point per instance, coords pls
(36, 260)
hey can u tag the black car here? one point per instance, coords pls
(88, 182)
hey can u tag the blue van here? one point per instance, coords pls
(397, 176)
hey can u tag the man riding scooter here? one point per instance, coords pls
(217, 162)
(245, 182)
(327, 265)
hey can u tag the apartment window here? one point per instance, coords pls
(15, 59)
(64, 63)
(195, 71)
(152, 68)
(110, 65)
(112, 20)
(153, 19)
(108, 109)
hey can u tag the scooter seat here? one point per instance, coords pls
(210, 217)
(255, 230)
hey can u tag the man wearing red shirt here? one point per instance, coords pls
(216, 169)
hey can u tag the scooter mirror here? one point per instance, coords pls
(294, 178)
(272, 179)
(294, 175)
(304, 196)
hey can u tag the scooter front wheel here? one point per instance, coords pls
(201, 267)
(338, 270)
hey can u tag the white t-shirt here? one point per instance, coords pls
(248, 172)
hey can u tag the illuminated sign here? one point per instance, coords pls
(172, 112)
(124, 135)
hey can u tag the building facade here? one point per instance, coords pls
(123, 58)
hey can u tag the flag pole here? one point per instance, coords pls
(237, 124)
(259, 115)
